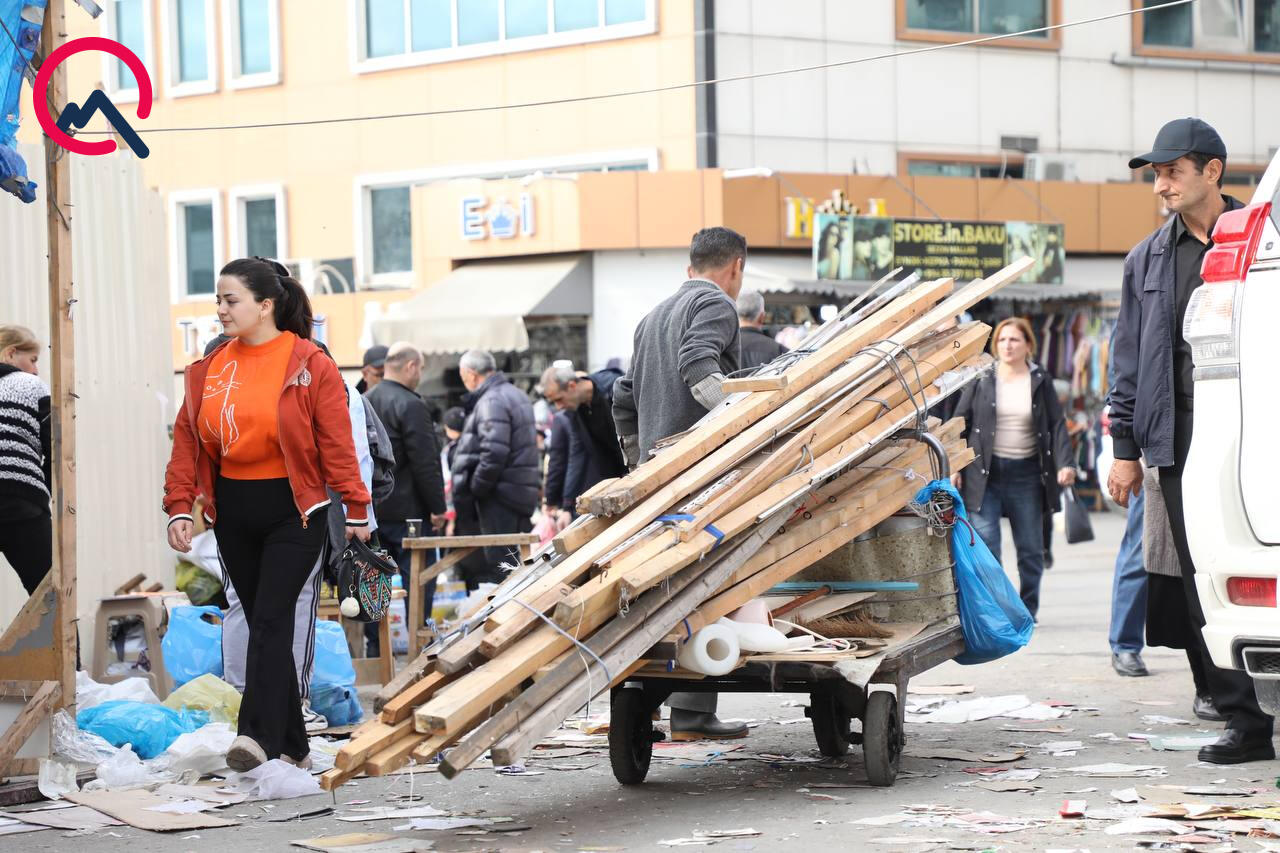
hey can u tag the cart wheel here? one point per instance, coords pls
(881, 739)
(631, 736)
(830, 723)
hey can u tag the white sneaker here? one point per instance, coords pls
(245, 754)
(312, 721)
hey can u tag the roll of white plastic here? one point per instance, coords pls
(754, 637)
(713, 650)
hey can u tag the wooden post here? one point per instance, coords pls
(57, 191)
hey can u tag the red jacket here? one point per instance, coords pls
(315, 436)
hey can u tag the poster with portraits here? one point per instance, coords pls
(867, 248)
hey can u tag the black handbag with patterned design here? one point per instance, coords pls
(364, 581)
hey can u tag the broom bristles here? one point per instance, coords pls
(858, 624)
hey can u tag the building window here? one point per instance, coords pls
(196, 234)
(953, 20)
(128, 22)
(962, 167)
(1246, 30)
(189, 47)
(390, 231)
(251, 40)
(394, 33)
(259, 220)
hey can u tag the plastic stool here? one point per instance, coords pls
(151, 610)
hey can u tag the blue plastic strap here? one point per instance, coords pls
(673, 517)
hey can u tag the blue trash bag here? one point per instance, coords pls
(192, 647)
(994, 619)
(149, 728)
(333, 678)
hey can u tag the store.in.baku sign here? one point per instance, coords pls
(866, 248)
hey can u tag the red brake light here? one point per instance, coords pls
(1235, 243)
(1252, 592)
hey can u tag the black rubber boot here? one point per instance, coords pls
(699, 725)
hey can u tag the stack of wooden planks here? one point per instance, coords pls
(789, 468)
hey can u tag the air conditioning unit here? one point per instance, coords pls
(1049, 167)
(327, 275)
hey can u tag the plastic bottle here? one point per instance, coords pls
(399, 620)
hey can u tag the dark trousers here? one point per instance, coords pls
(1129, 584)
(1230, 689)
(269, 555)
(1014, 491)
(391, 536)
(496, 518)
(28, 546)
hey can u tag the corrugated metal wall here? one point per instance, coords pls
(123, 374)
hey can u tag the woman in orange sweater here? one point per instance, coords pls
(263, 430)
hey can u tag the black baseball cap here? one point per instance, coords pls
(1181, 137)
(375, 356)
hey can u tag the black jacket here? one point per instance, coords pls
(604, 453)
(757, 348)
(497, 456)
(419, 483)
(566, 461)
(1142, 401)
(977, 406)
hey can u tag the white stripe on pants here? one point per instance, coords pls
(235, 631)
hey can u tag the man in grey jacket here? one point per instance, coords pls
(683, 350)
(1153, 403)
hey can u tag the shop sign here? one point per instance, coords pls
(482, 218)
(866, 248)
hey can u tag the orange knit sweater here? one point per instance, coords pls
(239, 411)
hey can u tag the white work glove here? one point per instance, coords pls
(630, 449)
(708, 391)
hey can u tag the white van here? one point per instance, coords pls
(1231, 485)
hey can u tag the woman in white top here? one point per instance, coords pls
(1014, 423)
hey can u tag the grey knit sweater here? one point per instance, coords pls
(687, 337)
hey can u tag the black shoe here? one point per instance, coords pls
(700, 725)
(1048, 560)
(1237, 747)
(1129, 664)
(1204, 708)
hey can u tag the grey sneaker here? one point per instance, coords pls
(305, 763)
(245, 754)
(311, 720)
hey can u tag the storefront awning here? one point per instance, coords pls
(482, 305)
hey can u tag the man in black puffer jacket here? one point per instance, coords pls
(496, 463)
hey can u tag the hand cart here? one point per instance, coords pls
(872, 689)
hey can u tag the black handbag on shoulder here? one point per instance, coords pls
(364, 581)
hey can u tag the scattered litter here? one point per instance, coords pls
(701, 839)
(274, 780)
(389, 813)
(1149, 826)
(181, 807)
(972, 710)
(1048, 730)
(697, 751)
(1181, 743)
(134, 808)
(1006, 787)
(1125, 795)
(305, 814)
(123, 770)
(364, 842)
(442, 823)
(1154, 703)
(204, 750)
(76, 818)
(1110, 737)
(963, 755)
(149, 728)
(1072, 809)
(516, 770)
(1115, 771)
(1161, 720)
(939, 689)
(56, 778)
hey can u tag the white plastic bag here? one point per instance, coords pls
(275, 780)
(81, 747)
(90, 692)
(57, 778)
(125, 769)
(204, 750)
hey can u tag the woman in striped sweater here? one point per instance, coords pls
(26, 530)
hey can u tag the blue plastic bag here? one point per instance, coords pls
(333, 678)
(994, 619)
(192, 647)
(149, 728)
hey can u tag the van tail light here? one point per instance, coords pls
(1252, 592)
(1235, 243)
(1212, 320)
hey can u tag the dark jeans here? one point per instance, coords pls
(28, 546)
(390, 535)
(496, 518)
(1014, 491)
(269, 555)
(1230, 689)
(1129, 585)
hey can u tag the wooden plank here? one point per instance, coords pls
(20, 767)
(430, 748)
(401, 707)
(576, 535)
(471, 541)
(394, 756)
(356, 751)
(28, 648)
(131, 584)
(37, 708)
(418, 668)
(413, 607)
(426, 573)
(754, 383)
(460, 654)
(59, 212)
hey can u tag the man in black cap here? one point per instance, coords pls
(1152, 418)
(371, 368)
